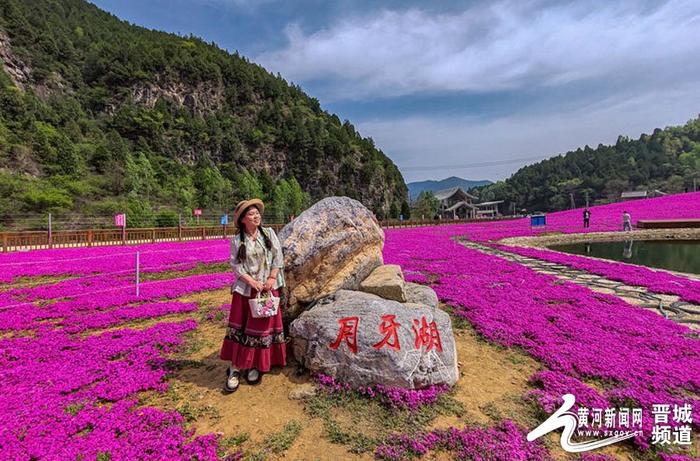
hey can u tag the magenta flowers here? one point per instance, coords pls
(578, 335)
(70, 390)
(394, 397)
(112, 259)
(69, 396)
(66, 397)
(505, 442)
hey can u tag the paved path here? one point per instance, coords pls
(669, 306)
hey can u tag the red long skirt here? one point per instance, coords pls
(250, 342)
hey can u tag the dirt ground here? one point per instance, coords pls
(258, 411)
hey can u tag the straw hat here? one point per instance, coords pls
(243, 204)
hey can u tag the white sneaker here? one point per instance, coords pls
(232, 381)
(253, 376)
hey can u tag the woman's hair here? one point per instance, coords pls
(241, 230)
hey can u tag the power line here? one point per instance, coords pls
(471, 165)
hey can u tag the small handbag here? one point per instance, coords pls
(264, 306)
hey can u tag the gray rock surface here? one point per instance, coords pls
(335, 244)
(318, 345)
(420, 294)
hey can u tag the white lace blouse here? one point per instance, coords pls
(259, 261)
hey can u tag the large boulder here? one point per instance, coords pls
(386, 281)
(362, 339)
(333, 245)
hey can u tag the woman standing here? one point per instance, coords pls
(253, 345)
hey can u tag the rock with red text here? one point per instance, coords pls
(362, 339)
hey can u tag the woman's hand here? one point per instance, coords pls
(257, 286)
(268, 284)
(261, 287)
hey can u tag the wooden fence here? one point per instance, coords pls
(32, 240)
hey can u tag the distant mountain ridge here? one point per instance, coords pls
(415, 188)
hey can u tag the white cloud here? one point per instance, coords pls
(246, 5)
(618, 67)
(423, 142)
(505, 45)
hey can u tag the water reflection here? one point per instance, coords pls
(676, 255)
(627, 249)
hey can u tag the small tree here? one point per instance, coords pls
(394, 211)
(279, 206)
(167, 219)
(212, 188)
(140, 176)
(139, 212)
(615, 187)
(247, 186)
(405, 210)
(427, 205)
(298, 199)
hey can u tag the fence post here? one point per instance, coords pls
(138, 287)
(204, 229)
(124, 231)
(153, 235)
(89, 238)
(50, 237)
(4, 243)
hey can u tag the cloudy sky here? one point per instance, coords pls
(475, 89)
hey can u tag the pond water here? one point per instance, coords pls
(675, 255)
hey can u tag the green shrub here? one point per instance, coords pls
(47, 199)
(139, 213)
(167, 219)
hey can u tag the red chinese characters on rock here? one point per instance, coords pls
(347, 333)
(388, 328)
(426, 334)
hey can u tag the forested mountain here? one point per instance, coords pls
(99, 116)
(667, 160)
(415, 188)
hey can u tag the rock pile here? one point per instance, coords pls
(354, 318)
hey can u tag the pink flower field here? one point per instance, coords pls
(72, 370)
(69, 388)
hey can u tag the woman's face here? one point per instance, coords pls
(251, 219)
